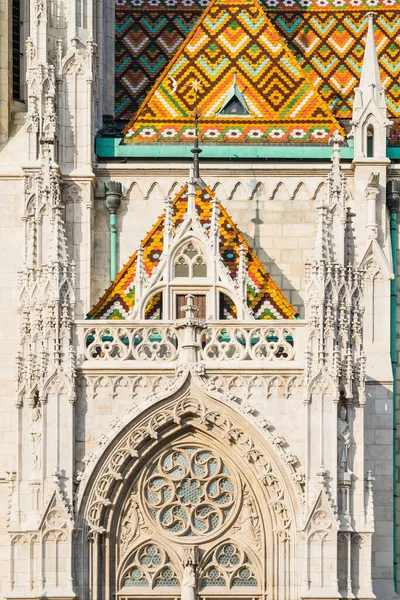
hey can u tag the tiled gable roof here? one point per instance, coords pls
(234, 38)
(264, 297)
(327, 37)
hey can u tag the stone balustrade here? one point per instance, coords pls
(279, 344)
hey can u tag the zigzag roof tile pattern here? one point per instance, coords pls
(234, 38)
(326, 36)
(264, 297)
(146, 39)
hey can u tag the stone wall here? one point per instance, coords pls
(11, 248)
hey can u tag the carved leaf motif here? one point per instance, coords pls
(133, 524)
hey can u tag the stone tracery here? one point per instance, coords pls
(228, 566)
(150, 567)
(189, 491)
(189, 494)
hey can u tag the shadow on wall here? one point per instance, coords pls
(276, 272)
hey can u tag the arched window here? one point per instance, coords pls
(190, 262)
(151, 568)
(229, 567)
(370, 141)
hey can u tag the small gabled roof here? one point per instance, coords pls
(234, 37)
(234, 99)
(264, 297)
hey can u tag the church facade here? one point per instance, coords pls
(199, 299)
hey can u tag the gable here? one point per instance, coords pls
(234, 41)
(327, 37)
(264, 298)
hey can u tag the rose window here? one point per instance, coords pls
(189, 492)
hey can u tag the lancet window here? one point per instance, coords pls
(190, 262)
(189, 516)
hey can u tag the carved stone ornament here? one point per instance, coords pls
(190, 491)
(133, 524)
(343, 440)
(247, 526)
(135, 442)
(149, 389)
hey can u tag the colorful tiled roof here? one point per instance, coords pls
(327, 37)
(234, 38)
(263, 296)
(146, 39)
(330, 48)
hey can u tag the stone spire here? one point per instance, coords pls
(167, 224)
(370, 75)
(370, 122)
(322, 243)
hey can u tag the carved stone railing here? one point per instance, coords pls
(151, 343)
(238, 342)
(132, 341)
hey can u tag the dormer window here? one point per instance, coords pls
(233, 107)
(190, 263)
(235, 104)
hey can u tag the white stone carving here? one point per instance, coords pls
(343, 438)
(247, 527)
(132, 525)
(188, 587)
(36, 437)
(151, 427)
(189, 491)
(150, 568)
(127, 343)
(228, 566)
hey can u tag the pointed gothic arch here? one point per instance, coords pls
(253, 482)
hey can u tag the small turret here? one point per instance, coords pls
(370, 122)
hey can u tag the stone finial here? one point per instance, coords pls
(140, 274)
(167, 224)
(336, 141)
(242, 271)
(113, 191)
(369, 512)
(214, 229)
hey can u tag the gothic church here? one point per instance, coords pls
(198, 299)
